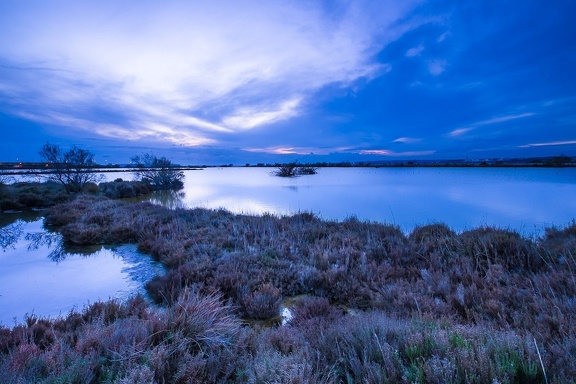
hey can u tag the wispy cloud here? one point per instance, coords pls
(549, 144)
(286, 150)
(496, 120)
(250, 117)
(183, 71)
(502, 119)
(460, 131)
(385, 152)
(407, 140)
(416, 51)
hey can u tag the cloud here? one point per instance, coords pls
(407, 140)
(437, 67)
(184, 72)
(286, 150)
(496, 120)
(459, 132)
(502, 119)
(385, 152)
(416, 51)
(549, 144)
(250, 117)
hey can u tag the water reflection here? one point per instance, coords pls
(523, 199)
(10, 234)
(40, 275)
(49, 240)
(169, 198)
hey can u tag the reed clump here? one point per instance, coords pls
(375, 304)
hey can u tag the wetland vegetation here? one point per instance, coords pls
(373, 303)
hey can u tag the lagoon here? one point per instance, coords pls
(526, 200)
(38, 276)
(41, 277)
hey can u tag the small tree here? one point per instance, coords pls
(158, 172)
(292, 169)
(72, 169)
(286, 170)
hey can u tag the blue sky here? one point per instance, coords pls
(218, 82)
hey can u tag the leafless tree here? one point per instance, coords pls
(158, 171)
(5, 179)
(292, 169)
(10, 234)
(73, 169)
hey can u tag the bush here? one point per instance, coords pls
(292, 169)
(124, 189)
(262, 304)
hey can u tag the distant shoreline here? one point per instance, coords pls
(30, 168)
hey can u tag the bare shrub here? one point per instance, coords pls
(204, 321)
(123, 189)
(488, 246)
(314, 309)
(264, 303)
(433, 237)
(287, 170)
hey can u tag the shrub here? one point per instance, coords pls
(314, 309)
(264, 303)
(487, 246)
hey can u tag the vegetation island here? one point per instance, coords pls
(369, 304)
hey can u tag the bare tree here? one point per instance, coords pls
(286, 170)
(73, 169)
(5, 179)
(158, 171)
(10, 234)
(293, 169)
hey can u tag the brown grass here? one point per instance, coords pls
(380, 306)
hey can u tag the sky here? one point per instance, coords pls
(246, 81)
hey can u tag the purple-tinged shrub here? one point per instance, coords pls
(263, 303)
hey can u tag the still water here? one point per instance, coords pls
(523, 199)
(38, 276)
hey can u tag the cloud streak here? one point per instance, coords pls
(496, 120)
(550, 144)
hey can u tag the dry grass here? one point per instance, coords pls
(432, 307)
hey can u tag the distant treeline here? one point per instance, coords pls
(549, 161)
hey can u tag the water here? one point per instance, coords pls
(523, 199)
(526, 200)
(39, 276)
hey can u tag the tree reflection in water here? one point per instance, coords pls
(51, 240)
(10, 234)
(169, 198)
